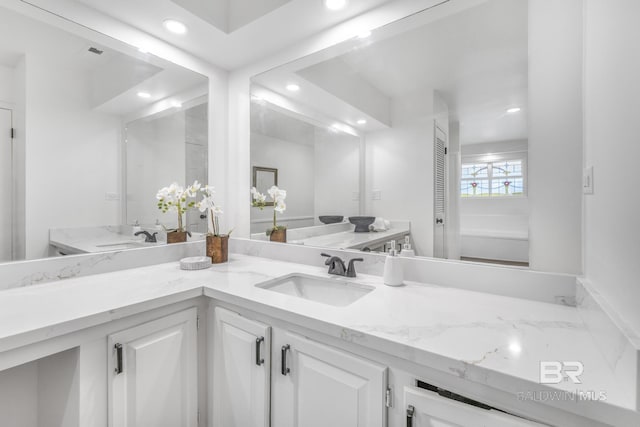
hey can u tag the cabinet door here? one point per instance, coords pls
(428, 409)
(315, 385)
(242, 371)
(153, 369)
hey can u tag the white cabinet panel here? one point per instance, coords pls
(431, 410)
(157, 385)
(242, 364)
(319, 386)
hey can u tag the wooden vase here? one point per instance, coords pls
(176, 237)
(279, 235)
(218, 248)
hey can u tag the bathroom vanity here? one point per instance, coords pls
(230, 346)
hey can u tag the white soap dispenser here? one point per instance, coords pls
(393, 275)
(407, 251)
(136, 227)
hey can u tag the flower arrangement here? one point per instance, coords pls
(207, 204)
(278, 196)
(176, 198)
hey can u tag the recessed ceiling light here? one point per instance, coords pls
(513, 110)
(364, 34)
(174, 26)
(335, 4)
(144, 94)
(176, 104)
(143, 50)
(362, 122)
(293, 87)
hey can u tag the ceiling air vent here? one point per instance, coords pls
(96, 51)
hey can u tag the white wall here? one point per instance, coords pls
(336, 174)
(72, 155)
(19, 153)
(19, 395)
(612, 102)
(41, 393)
(399, 163)
(6, 167)
(6, 84)
(155, 159)
(296, 171)
(555, 135)
(453, 215)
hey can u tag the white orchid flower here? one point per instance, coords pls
(280, 206)
(257, 196)
(208, 190)
(277, 194)
(162, 193)
(217, 210)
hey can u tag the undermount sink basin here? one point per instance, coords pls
(121, 245)
(334, 291)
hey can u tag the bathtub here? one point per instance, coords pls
(495, 237)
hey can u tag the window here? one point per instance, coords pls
(501, 178)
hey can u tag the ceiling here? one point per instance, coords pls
(476, 58)
(276, 124)
(230, 33)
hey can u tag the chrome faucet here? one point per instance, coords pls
(148, 238)
(337, 267)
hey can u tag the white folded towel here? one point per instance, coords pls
(380, 224)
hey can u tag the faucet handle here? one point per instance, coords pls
(351, 270)
(328, 261)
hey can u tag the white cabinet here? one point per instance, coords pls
(266, 376)
(315, 385)
(242, 364)
(153, 373)
(428, 409)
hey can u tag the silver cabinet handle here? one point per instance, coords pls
(118, 349)
(410, 411)
(284, 369)
(259, 360)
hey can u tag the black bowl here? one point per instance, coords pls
(362, 223)
(330, 219)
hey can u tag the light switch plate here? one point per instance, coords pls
(587, 180)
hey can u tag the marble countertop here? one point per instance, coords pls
(489, 339)
(102, 239)
(352, 240)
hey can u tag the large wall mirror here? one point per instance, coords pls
(99, 127)
(419, 127)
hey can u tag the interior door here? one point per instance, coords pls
(440, 193)
(6, 185)
(153, 369)
(315, 385)
(428, 409)
(242, 371)
(196, 157)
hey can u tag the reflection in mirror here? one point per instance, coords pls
(438, 101)
(318, 166)
(264, 179)
(161, 149)
(72, 102)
